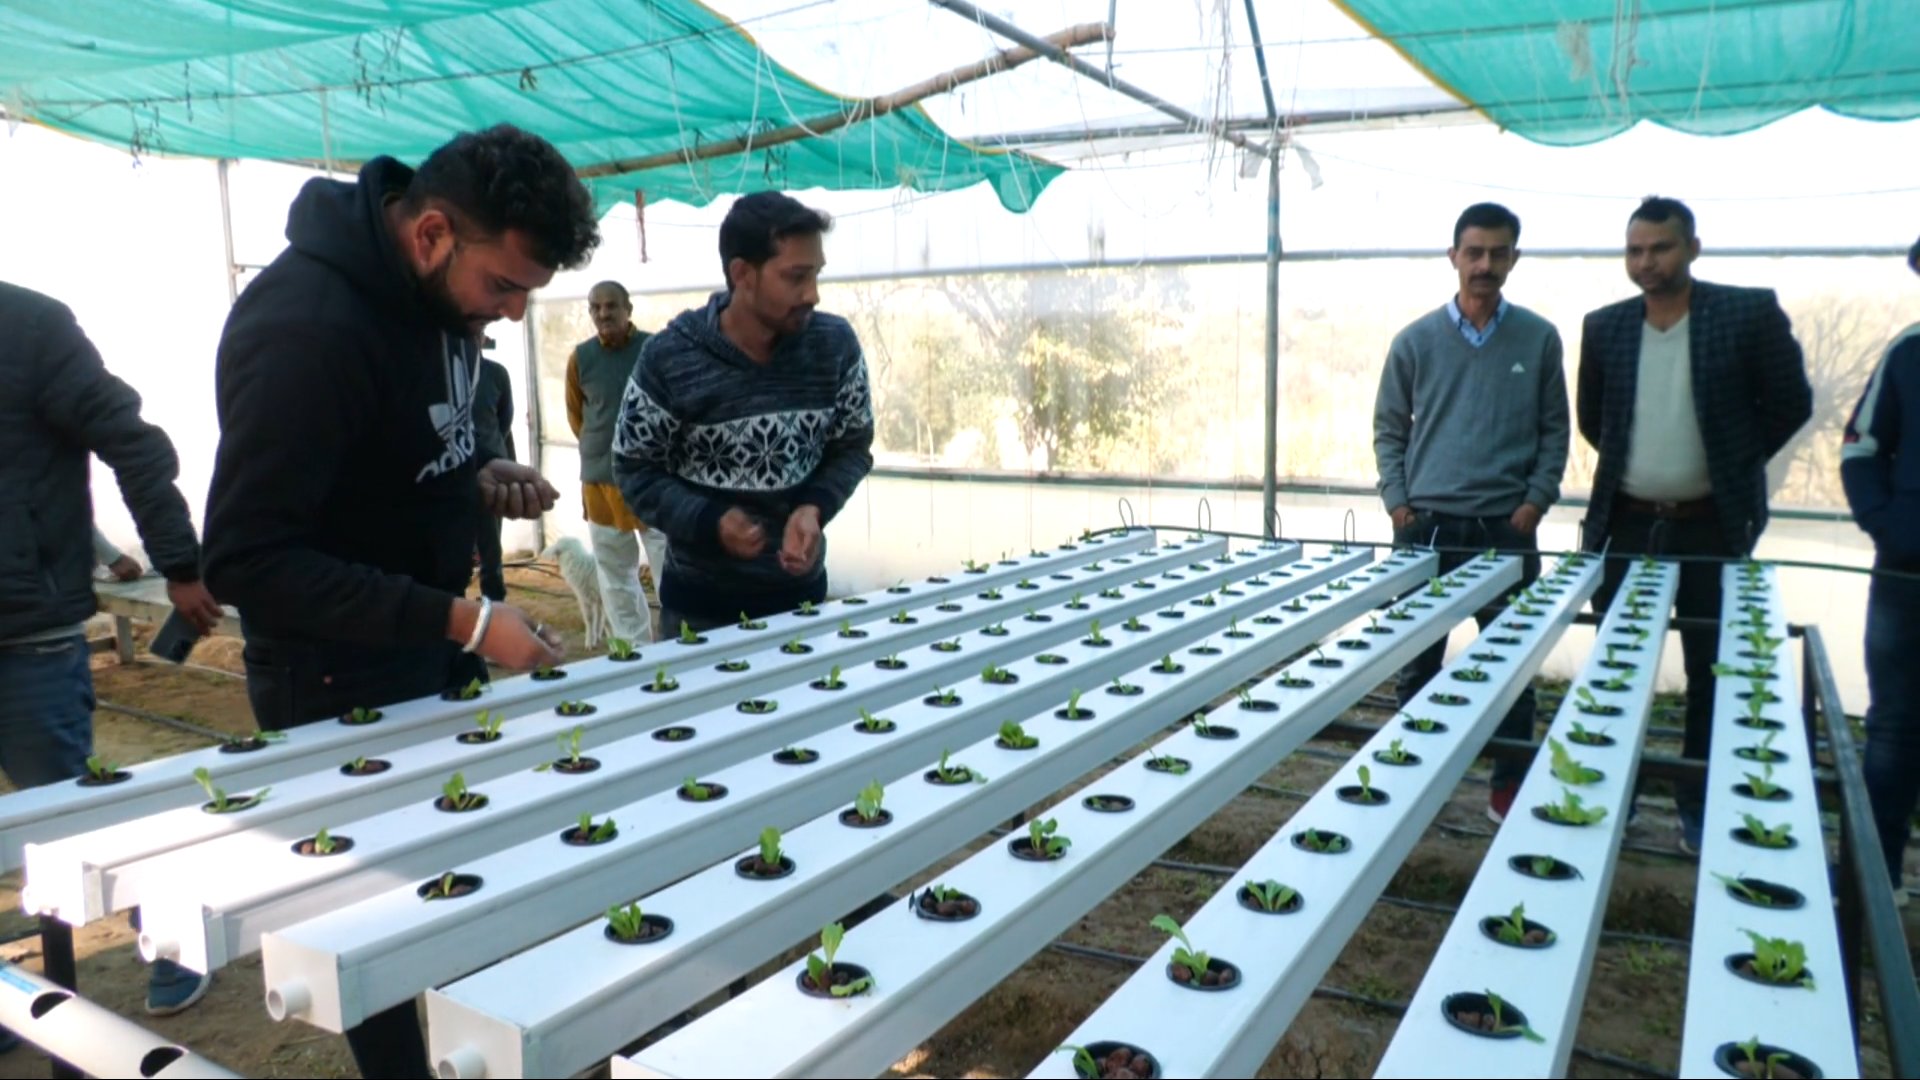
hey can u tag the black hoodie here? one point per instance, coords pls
(343, 503)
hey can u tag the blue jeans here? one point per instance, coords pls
(1892, 764)
(1475, 535)
(46, 711)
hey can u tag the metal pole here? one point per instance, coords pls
(1270, 478)
(58, 965)
(226, 231)
(1080, 67)
(1260, 58)
(536, 448)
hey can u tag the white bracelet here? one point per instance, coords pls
(480, 625)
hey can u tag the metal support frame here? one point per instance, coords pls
(1107, 79)
(1869, 922)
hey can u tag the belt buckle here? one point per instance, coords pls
(1666, 509)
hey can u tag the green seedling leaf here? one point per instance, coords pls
(867, 802)
(628, 922)
(1184, 954)
(1271, 895)
(1571, 810)
(1566, 769)
(1016, 737)
(1775, 837)
(1778, 960)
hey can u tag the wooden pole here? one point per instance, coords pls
(857, 112)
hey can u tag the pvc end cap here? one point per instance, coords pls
(465, 1063)
(153, 948)
(289, 999)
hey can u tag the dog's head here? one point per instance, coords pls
(566, 545)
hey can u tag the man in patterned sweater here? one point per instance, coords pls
(747, 425)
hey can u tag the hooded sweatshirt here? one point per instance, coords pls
(704, 429)
(342, 509)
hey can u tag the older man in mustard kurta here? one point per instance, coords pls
(597, 374)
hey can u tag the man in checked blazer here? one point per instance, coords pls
(1686, 391)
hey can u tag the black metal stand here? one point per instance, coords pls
(58, 965)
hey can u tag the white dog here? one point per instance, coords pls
(583, 577)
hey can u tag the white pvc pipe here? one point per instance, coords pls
(91, 1038)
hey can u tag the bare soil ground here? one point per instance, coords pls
(1632, 1010)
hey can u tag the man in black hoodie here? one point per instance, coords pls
(347, 485)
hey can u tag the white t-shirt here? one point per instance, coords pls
(1666, 461)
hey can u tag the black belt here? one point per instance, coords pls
(1669, 511)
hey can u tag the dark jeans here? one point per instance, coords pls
(1892, 763)
(292, 682)
(300, 682)
(486, 541)
(1473, 535)
(46, 711)
(1631, 534)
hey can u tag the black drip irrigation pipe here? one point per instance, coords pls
(164, 720)
(1395, 1008)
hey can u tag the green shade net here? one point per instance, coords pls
(345, 80)
(1577, 71)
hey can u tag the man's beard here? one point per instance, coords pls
(438, 299)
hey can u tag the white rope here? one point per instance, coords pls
(326, 133)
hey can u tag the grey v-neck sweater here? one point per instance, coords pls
(1472, 432)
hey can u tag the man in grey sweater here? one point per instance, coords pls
(1470, 432)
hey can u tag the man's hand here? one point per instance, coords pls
(125, 568)
(1402, 515)
(741, 535)
(800, 550)
(513, 639)
(1527, 518)
(195, 604)
(509, 489)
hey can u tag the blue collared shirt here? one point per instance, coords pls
(1476, 337)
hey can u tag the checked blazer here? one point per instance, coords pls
(1750, 395)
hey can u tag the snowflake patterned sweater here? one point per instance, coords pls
(703, 429)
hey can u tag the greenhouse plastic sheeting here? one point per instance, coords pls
(1578, 71)
(345, 80)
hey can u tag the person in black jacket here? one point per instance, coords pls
(347, 483)
(58, 404)
(493, 438)
(1686, 391)
(1880, 468)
